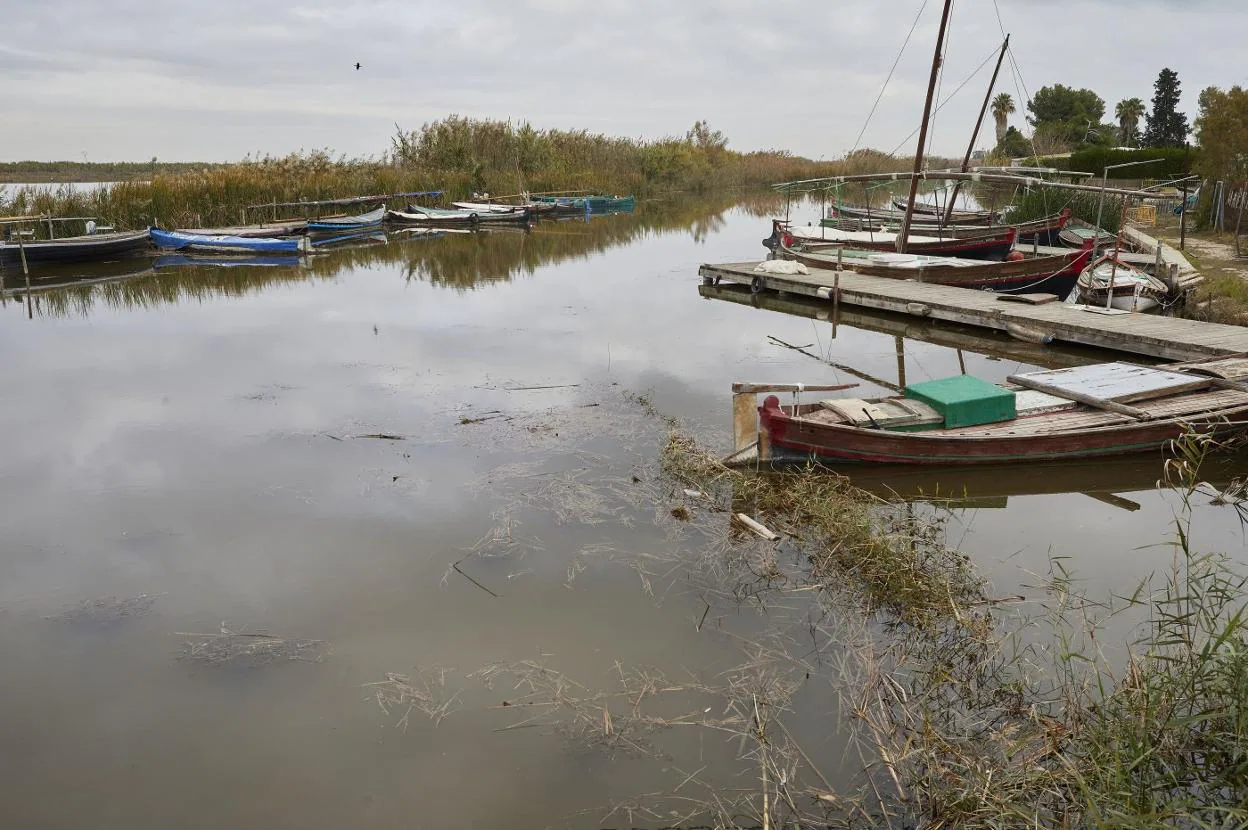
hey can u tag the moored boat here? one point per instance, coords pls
(588, 204)
(929, 209)
(178, 241)
(1110, 283)
(96, 246)
(1043, 231)
(359, 221)
(1053, 274)
(491, 207)
(269, 230)
(1054, 415)
(894, 215)
(417, 215)
(991, 245)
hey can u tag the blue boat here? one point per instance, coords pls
(220, 243)
(228, 260)
(338, 224)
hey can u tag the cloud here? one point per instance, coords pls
(126, 80)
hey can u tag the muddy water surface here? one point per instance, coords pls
(434, 458)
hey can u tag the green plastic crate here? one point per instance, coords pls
(965, 401)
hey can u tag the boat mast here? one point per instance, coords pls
(970, 148)
(927, 112)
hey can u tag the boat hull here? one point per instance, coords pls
(1037, 275)
(77, 248)
(189, 242)
(855, 444)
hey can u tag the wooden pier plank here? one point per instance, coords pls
(1163, 337)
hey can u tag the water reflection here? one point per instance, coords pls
(461, 260)
(311, 450)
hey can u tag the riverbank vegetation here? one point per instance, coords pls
(971, 713)
(457, 155)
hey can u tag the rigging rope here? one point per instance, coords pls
(896, 61)
(951, 95)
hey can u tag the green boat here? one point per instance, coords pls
(588, 204)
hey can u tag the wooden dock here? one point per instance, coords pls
(1167, 338)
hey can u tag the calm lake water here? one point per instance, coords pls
(428, 456)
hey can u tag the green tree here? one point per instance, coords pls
(1002, 106)
(1013, 144)
(1128, 112)
(1072, 116)
(1165, 125)
(1222, 132)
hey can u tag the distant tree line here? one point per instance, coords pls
(1064, 119)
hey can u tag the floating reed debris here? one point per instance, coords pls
(106, 610)
(239, 648)
(425, 693)
(897, 561)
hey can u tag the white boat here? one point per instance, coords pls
(489, 207)
(1110, 283)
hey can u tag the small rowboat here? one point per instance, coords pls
(97, 246)
(417, 215)
(177, 241)
(490, 207)
(266, 231)
(1111, 283)
(338, 224)
(1098, 411)
(587, 204)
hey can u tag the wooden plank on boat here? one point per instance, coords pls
(1117, 382)
(1029, 299)
(1098, 403)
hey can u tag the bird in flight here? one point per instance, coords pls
(357, 66)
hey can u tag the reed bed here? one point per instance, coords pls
(457, 155)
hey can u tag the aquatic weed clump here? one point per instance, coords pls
(896, 561)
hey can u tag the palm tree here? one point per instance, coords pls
(1002, 106)
(1128, 112)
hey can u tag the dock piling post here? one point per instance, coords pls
(744, 420)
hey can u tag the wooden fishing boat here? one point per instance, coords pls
(1111, 283)
(991, 245)
(417, 215)
(360, 221)
(1043, 231)
(1054, 274)
(1102, 410)
(891, 215)
(269, 230)
(928, 209)
(92, 247)
(177, 241)
(589, 204)
(491, 207)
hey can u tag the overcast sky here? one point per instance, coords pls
(215, 80)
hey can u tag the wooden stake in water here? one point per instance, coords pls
(21, 248)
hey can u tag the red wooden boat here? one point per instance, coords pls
(1054, 274)
(991, 244)
(1086, 412)
(1043, 231)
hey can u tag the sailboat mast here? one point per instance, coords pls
(983, 110)
(927, 112)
